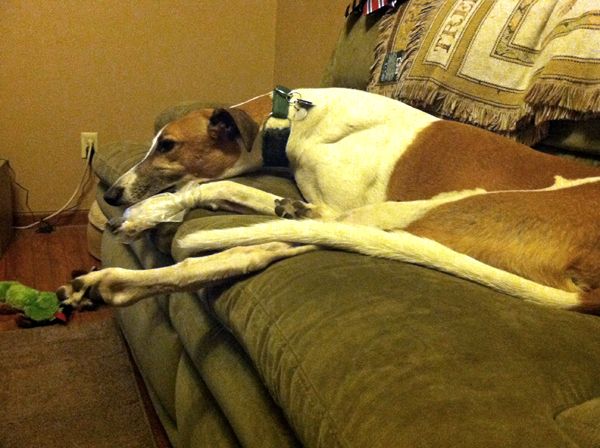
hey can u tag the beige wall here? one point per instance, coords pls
(306, 34)
(110, 66)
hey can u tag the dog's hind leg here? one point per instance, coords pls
(121, 287)
(165, 207)
(398, 245)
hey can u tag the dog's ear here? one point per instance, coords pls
(229, 124)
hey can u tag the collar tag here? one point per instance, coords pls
(283, 98)
(281, 102)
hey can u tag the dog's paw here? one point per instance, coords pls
(294, 209)
(126, 229)
(81, 292)
(111, 286)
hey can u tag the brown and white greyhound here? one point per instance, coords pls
(380, 178)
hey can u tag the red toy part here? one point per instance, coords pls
(61, 317)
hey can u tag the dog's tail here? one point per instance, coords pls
(398, 245)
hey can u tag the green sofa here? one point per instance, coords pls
(336, 349)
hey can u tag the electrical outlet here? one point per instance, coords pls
(89, 141)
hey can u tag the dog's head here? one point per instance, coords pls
(204, 145)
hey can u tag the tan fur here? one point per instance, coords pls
(196, 152)
(551, 237)
(259, 108)
(450, 156)
(199, 153)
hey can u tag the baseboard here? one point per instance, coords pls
(71, 218)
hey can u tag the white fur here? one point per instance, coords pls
(343, 156)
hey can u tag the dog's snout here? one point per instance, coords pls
(114, 195)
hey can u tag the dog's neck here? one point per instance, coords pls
(288, 105)
(274, 145)
(271, 142)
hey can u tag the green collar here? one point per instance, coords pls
(275, 139)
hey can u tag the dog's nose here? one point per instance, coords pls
(114, 195)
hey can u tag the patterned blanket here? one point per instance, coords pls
(506, 65)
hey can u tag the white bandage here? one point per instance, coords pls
(163, 207)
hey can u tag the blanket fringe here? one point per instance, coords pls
(554, 100)
(386, 28)
(517, 124)
(424, 17)
(443, 102)
(422, 10)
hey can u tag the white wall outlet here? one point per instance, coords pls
(89, 141)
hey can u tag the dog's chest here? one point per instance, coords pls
(348, 171)
(346, 162)
(344, 147)
(339, 177)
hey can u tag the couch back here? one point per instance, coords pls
(350, 64)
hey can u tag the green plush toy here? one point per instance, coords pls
(36, 307)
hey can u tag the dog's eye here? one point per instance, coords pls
(165, 145)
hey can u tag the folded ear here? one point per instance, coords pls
(229, 124)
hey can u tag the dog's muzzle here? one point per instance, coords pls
(114, 195)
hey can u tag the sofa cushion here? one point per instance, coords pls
(348, 344)
(229, 375)
(202, 385)
(581, 422)
(200, 421)
(145, 324)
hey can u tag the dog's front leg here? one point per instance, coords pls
(122, 287)
(295, 209)
(169, 207)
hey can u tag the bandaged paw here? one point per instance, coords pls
(164, 207)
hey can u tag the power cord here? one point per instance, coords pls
(44, 225)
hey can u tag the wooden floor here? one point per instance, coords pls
(45, 261)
